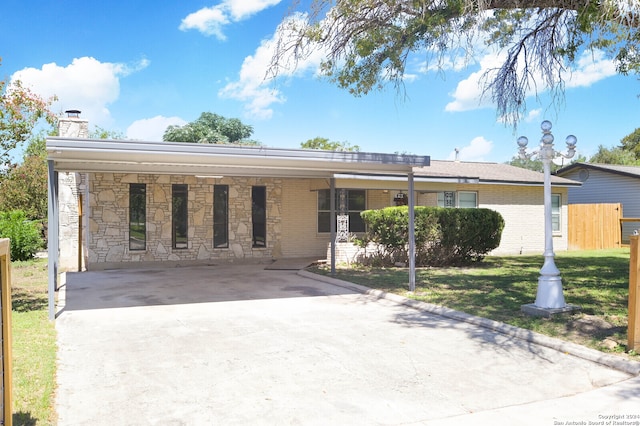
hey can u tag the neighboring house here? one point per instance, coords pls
(131, 204)
(607, 183)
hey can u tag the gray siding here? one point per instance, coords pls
(604, 187)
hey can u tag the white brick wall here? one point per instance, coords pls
(291, 218)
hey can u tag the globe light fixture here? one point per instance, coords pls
(549, 297)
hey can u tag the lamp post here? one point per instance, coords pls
(549, 298)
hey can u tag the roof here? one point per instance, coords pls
(631, 171)
(102, 155)
(483, 172)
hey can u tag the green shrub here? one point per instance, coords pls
(24, 234)
(443, 236)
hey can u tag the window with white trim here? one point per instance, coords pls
(459, 199)
(556, 212)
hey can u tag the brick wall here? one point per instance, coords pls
(522, 210)
(291, 218)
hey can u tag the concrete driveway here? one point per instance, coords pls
(237, 345)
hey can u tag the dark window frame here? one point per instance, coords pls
(259, 216)
(180, 216)
(137, 216)
(324, 214)
(220, 216)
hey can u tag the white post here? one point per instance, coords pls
(549, 297)
(332, 225)
(53, 235)
(412, 236)
(549, 293)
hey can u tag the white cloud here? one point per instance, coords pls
(468, 93)
(208, 20)
(211, 20)
(475, 151)
(253, 84)
(591, 68)
(86, 84)
(533, 115)
(152, 129)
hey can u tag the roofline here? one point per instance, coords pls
(600, 167)
(454, 179)
(80, 155)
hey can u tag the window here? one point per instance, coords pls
(259, 215)
(462, 199)
(356, 202)
(137, 216)
(467, 200)
(555, 212)
(179, 220)
(220, 216)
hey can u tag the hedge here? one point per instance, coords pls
(443, 236)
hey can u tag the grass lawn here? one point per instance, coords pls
(598, 281)
(34, 345)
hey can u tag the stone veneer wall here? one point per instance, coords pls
(69, 186)
(109, 220)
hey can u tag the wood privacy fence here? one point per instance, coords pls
(6, 412)
(594, 226)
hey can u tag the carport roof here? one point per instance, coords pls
(102, 155)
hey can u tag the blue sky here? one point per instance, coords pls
(137, 66)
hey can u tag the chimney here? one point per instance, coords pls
(72, 126)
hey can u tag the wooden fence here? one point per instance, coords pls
(594, 226)
(6, 415)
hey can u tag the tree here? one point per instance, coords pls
(211, 128)
(631, 142)
(327, 145)
(101, 133)
(537, 166)
(529, 164)
(20, 111)
(367, 43)
(615, 155)
(24, 186)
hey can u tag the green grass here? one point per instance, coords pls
(497, 287)
(34, 345)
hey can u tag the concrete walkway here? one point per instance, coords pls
(236, 345)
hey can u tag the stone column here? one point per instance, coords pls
(71, 185)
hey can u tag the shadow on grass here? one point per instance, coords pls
(24, 419)
(25, 301)
(497, 288)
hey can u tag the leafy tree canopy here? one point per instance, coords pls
(24, 186)
(101, 133)
(366, 43)
(211, 128)
(615, 155)
(631, 142)
(20, 111)
(536, 165)
(327, 145)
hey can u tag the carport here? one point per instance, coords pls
(81, 155)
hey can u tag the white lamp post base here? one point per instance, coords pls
(549, 298)
(533, 310)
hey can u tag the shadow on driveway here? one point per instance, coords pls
(175, 286)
